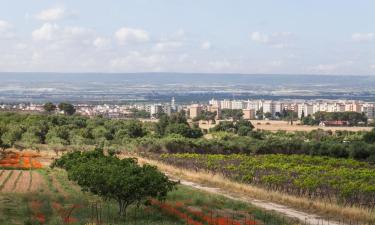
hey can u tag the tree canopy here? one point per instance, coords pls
(109, 177)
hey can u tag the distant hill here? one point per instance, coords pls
(21, 87)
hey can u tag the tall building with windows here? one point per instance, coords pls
(173, 104)
(194, 110)
(226, 104)
(238, 105)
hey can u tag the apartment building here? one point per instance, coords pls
(194, 110)
(226, 104)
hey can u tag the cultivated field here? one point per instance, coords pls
(46, 196)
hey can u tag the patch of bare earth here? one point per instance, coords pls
(38, 182)
(8, 187)
(4, 175)
(23, 183)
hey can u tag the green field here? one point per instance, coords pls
(57, 200)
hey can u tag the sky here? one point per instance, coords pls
(205, 36)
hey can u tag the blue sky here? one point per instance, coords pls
(211, 36)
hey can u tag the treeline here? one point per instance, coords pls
(354, 118)
(227, 144)
(30, 130)
(173, 134)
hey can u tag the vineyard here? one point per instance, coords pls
(343, 181)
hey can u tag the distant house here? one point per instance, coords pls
(335, 123)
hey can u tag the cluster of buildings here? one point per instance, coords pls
(106, 110)
(275, 108)
(250, 108)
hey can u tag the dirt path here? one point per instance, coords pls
(306, 218)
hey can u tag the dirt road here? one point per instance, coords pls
(305, 218)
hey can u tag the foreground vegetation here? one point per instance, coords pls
(56, 200)
(346, 182)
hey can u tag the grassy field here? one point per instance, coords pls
(281, 125)
(46, 196)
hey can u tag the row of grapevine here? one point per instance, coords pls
(345, 181)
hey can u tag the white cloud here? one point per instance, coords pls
(363, 37)
(4, 25)
(372, 66)
(53, 32)
(166, 46)
(126, 34)
(53, 14)
(274, 40)
(6, 29)
(46, 32)
(206, 45)
(101, 43)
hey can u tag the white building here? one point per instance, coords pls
(226, 104)
(238, 105)
(369, 110)
(155, 109)
(215, 103)
(269, 107)
(307, 109)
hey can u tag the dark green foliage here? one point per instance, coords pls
(206, 115)
(369, 137)
(354, 118)
(176, 124)
(235, 114)
(122, 180)
(49, 107)
(140, 113)
(67, 108)
(241, 127)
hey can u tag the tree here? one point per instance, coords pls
(268, 115)
(67, 108)
(122, 180)
(369, 137)
(183, 130)
(259, 113)
(49, 107)
(235, 114)
(10, 137)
